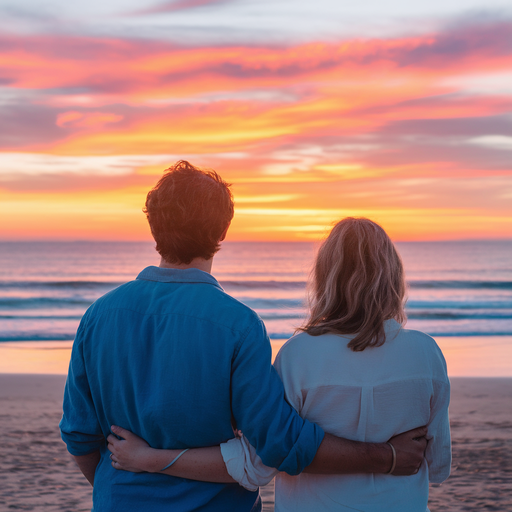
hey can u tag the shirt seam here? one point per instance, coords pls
(243, 337)
(215, 285)
(174, 314)
(375, 385)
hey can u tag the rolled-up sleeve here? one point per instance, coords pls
(244, 465)
(280, 436)
(79, 427)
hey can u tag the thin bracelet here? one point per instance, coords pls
(392, 465)
(175, 459)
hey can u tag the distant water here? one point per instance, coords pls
(456, 288)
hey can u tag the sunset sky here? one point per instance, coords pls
(398, 111)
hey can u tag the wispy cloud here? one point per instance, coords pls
(179, 5)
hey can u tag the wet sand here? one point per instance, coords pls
(37, 473)
(466, 356)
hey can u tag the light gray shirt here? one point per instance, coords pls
(365, 396)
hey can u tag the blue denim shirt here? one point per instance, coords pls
(173, 358)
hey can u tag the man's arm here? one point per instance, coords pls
(341, 456)
(79, 426)
(280, 436)
(87, 464)
(284, 440)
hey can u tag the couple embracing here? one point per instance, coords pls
(172, 403)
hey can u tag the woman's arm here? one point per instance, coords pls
(439, 452)
(131, 453)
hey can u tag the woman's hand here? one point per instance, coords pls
(131, 453)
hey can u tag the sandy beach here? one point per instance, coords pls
(37, 473)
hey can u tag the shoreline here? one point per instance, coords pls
(466, 356)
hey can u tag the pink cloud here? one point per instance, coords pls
(179, 5)
(86, 119)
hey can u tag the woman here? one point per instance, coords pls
(353, 370)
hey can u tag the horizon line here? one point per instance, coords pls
(310, 241)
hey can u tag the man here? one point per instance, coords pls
(173, 358)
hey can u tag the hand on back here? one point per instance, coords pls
(130, 453)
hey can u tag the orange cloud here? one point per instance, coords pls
(86, 120)
(307, 133)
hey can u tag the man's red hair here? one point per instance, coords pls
(188, 211)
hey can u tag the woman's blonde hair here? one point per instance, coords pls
(356, 284)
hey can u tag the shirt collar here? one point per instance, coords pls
(391, 328)
(174, 275)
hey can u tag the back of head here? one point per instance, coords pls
(188, 211)
(357, 283)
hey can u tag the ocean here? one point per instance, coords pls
(455, 288)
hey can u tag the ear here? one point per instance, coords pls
(225, 232)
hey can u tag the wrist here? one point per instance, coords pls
(383, 458)
(151, 460)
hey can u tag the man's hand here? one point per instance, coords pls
(410, 449)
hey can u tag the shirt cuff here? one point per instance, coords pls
(78, 444)
(304, 450)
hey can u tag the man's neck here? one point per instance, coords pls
(199, 263)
